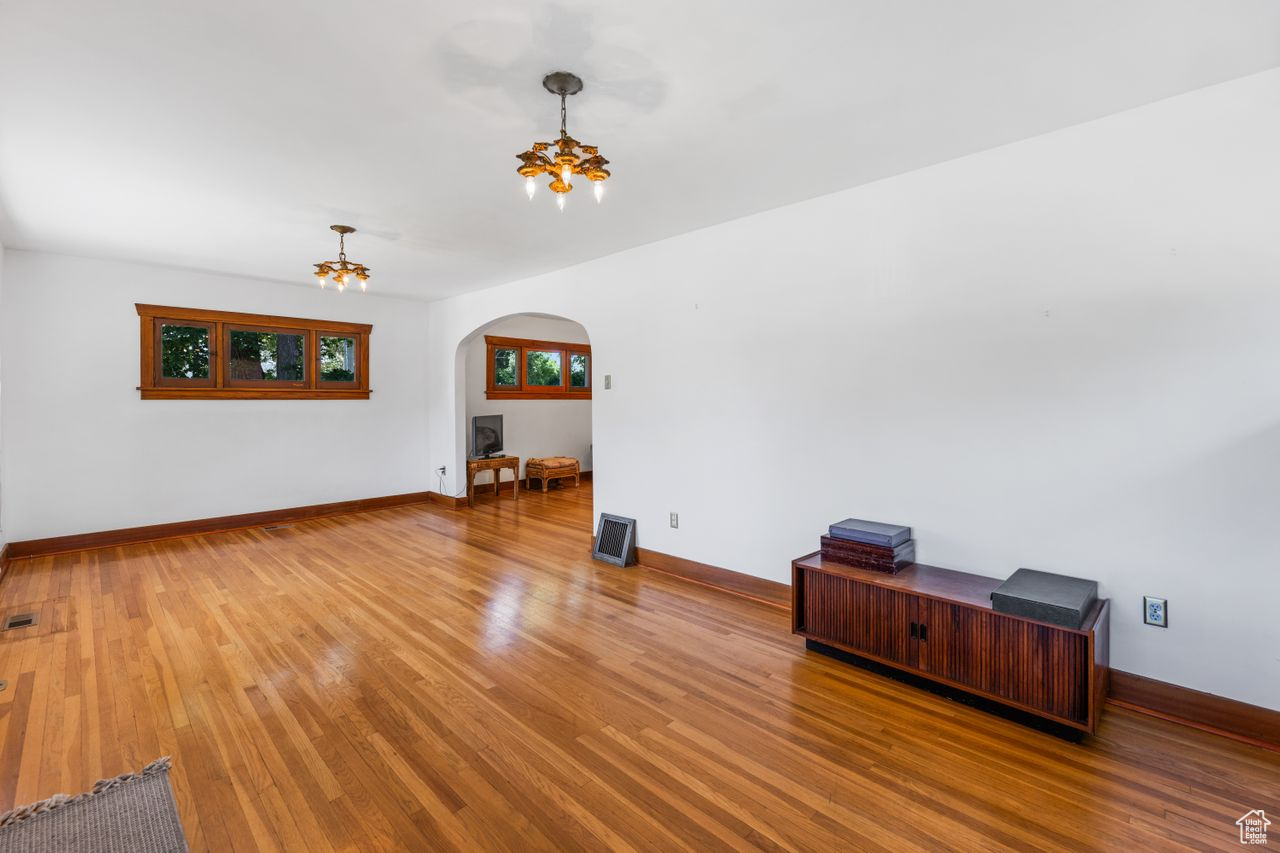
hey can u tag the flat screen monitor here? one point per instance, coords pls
(486, 435)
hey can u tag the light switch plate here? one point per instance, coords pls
(608, 381)
(1155, 611)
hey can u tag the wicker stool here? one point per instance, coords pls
(550, 468)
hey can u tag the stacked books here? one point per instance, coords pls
(869, 545)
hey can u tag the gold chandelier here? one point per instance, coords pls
(342, 270)
(565, 162)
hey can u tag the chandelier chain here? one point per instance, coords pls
(564, 130)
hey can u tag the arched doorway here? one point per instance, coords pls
(537, 425)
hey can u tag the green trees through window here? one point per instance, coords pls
(506, 366)
(337, 359)
(267, 356)
(543, 368)
(184, 352)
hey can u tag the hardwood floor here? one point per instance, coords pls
(422, 678)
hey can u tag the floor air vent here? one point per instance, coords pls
(270, 527)
(615, 540)
(19, 620)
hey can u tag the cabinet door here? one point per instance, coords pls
(1033, 664)
(862, 617)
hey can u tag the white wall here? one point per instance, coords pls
(86, 454)
(1059, 354)
(3, 537)
(530, 427)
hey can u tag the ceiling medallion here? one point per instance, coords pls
(565, 162)
(342, 270)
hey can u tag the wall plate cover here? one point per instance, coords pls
(1155, 611)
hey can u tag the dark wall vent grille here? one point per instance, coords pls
(615, 540)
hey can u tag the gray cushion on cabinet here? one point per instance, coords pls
(1056, 599)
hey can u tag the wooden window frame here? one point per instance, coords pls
(524, 391)
(152, 386)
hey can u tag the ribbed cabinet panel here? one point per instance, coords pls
(1031, 664)
(867, 618)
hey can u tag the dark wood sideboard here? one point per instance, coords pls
(938, 624)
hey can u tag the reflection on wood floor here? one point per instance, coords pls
(425, 678)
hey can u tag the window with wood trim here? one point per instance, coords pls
(523, 369)
(191, 353)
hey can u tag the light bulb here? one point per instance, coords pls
(364, 284)
(530, 187)
(560, 200)
(599, 191)
(566, 173)
(342, 285)
(320, 279)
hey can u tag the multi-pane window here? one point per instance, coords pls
(537, 370)
(189, 352)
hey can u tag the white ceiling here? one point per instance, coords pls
(228, 136)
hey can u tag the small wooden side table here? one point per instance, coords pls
(495, 464)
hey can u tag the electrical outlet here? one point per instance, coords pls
(1155, 611)
(675, 519)
(440, 470)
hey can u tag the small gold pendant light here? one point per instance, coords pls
(342, 270)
